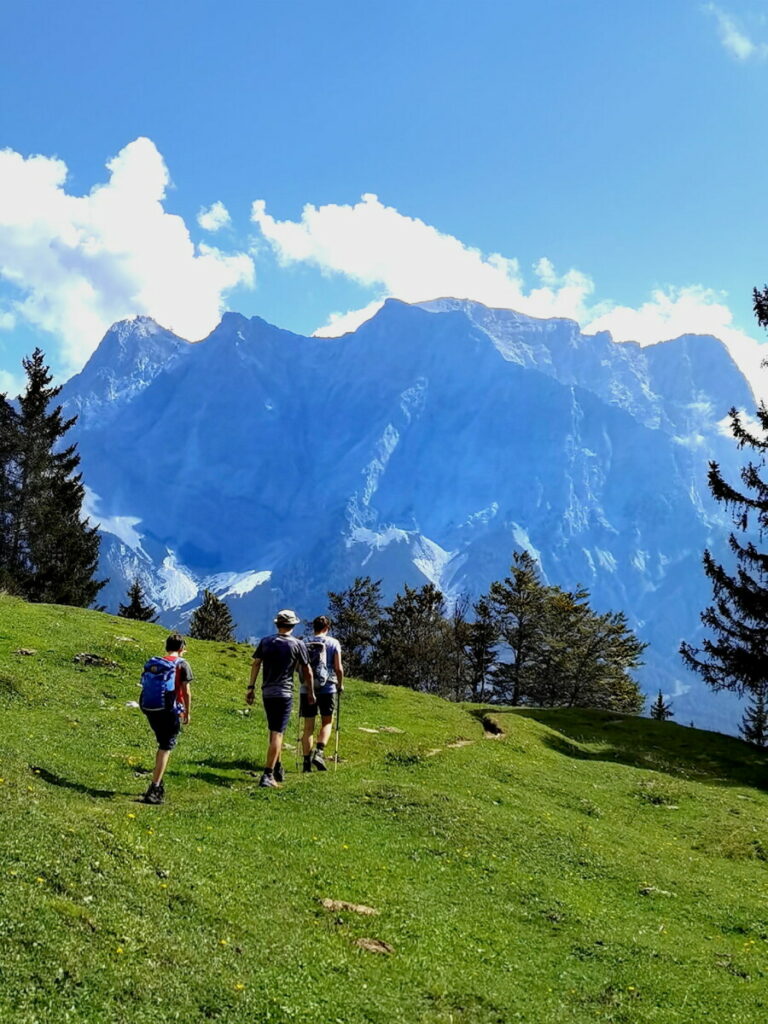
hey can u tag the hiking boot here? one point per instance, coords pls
(268, 781)
(307, 764)
(154, 795)
(279, 772)
(318, 760)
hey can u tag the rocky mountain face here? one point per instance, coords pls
(428, 445)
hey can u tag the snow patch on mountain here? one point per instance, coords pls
(177, 585)
(122, 527)
(236, 584)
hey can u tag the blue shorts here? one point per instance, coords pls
(166, 725)
(278, 711)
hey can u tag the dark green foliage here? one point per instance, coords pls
(136, 608)
(735, 654)
(356, 614)
(558, 652)
(212, 620)
(754, 724)
(529, 644)
(660, 709)
(481, 649)
(517, 606)
(412, 649)
(48, 553)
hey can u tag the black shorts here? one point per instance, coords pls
(166, 726)
(278, 711)
(325, 702)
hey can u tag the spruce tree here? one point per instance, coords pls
(517, 607)
(136, 608)
(412, 649)
(734, 656)
(482, 652)
(212, 620)
(754, 724)
(660, 709)
(356, 614)
(49, 553)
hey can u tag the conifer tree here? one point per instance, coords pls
(660, 709)
(356, 614)
(49, 553)
(735, 654)
(136, 608)
(482, 652)
(754, 724)
(212, 620)
(517, 606)
(412, 649)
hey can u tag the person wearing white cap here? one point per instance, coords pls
(280, 654)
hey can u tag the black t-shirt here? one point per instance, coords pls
(279, 656)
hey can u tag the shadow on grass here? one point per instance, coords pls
(240, 764)
(587, 734)
(58, 780)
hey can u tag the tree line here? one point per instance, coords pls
(522, 643)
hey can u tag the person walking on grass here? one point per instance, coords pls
(328, 672)
(166, 700)
(279, 654)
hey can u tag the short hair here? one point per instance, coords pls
(174, 642)
(320, 623)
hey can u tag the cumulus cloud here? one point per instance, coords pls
(214, 218)
(402, 256)
(79, 263)
(734, 38)
(405, 258)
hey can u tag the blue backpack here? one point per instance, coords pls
(318, 661)
(157, 679)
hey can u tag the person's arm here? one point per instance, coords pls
(250, 692)
(338, 669)
(185, 692)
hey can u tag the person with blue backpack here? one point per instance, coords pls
(166, 700)
(325, 661)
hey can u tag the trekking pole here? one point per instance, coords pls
(336, 751)
(298, 740)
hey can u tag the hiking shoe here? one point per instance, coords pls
(318, 760)
(154, 795)
(307, 765)
(267, 781)
(279, 772)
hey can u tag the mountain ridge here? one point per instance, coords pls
(427, 445)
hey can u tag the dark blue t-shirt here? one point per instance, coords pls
(279, 655)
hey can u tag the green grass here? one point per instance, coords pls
(584, 867)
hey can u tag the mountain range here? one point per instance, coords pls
(429, 444)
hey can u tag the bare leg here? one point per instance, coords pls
(161, 762)
(306, 739)
(325, 730)
(274, 748)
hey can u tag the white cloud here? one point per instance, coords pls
(214, 218)
(734, 38)
(83, 262)
(11, 384)
(405, 258)
(401, 256)
(7, 321)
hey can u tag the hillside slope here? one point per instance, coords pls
(582, 867)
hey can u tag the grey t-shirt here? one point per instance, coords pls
(279, 655)
(332, 645)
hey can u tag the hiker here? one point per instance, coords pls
(328, 672)
(166, 700)
(280, 654)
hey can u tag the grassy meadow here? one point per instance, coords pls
(579, 867)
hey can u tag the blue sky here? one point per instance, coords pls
(595, 159)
